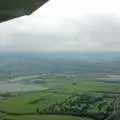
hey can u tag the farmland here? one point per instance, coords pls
(38, 88)
(84, 97)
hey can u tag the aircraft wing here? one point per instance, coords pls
(10, 9)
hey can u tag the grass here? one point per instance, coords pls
(58, 90)
(49, 117)
(22, 104)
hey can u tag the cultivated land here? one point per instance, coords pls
(61, 88)
(65, 95)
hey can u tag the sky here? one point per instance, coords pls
(65, 25)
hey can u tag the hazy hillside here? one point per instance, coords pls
(83, 63)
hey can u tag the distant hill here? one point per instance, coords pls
(15, 64)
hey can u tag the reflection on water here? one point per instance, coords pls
(17, 87)
(111, 78)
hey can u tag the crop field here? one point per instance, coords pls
(49, 117)
(65, 97)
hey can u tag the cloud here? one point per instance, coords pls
(65, 25)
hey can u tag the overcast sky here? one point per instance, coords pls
(65, 25)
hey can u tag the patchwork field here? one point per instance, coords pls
(65, 96)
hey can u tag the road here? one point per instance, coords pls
(116, 113)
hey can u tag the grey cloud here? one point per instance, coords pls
(94, 33)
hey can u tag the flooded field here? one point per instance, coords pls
(111, 78)
(17, 87)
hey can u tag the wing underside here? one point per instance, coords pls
(10, 9)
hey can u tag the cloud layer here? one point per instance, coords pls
(65, 25)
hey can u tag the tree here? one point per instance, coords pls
(37, 110)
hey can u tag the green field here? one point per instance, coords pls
(59, 89)
(49, 117)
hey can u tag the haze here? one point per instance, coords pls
(65, 25)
